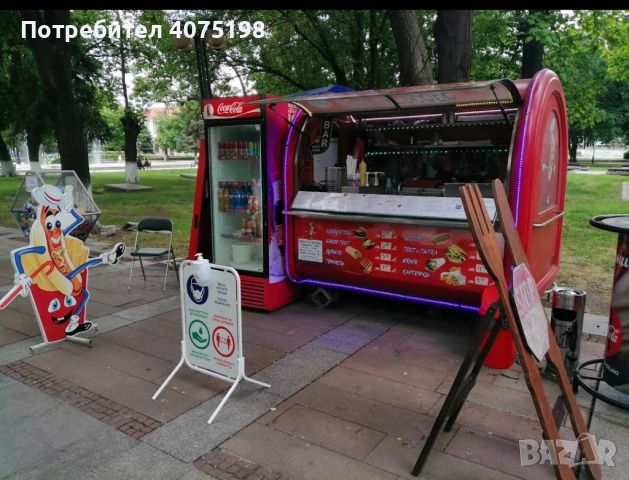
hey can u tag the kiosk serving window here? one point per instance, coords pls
(386, 216)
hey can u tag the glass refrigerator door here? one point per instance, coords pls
(236, 172)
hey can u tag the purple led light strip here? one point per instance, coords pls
(400, 296)
(291, 132)
(520, 153)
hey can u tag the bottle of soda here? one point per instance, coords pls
(231, 196)
(242, 196)
(219, 196)
(257, 224)
(251, 226)
(245, 195)
(233, 204)
(246, 201)
(225, 200)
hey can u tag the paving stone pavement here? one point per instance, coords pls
(354, 393)
(107, 411)
(45, 438)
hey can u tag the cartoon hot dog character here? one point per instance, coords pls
(60, 292)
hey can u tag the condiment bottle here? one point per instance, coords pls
(362, 170)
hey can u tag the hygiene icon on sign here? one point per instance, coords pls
(197, 293)
(199, 334)
(211, 315)
(223, 341)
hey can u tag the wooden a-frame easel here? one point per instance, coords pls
(486, 243)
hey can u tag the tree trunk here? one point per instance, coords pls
(53, 57)
(373, 75)
(358, 49)
(453, 37)
(415, 68)
(132, 125)
(572, 149)
(533, 50)
(34, 135)
(6, 165)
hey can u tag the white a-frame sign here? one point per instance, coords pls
(211, 325)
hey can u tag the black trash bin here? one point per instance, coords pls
(568, 309)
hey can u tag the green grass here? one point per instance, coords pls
(8, 189)
(587, 255)
(172, 196)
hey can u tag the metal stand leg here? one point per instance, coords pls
(142, 266)
(80, 340)
(74, 339)
(168, 379)
(225, 398)
(175, 266)
(166, 274)
(257, 382)
(38, 346)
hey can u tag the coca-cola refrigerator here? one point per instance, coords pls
(237, 219)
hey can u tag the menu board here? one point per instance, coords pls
(442, 208)
(388, 251)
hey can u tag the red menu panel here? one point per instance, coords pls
(420, 260)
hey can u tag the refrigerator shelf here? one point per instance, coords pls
(225, 159)
(244, 238)
(251, 267)
(241, 211)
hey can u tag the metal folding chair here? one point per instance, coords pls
(153, 225)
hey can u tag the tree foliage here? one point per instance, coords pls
(305, 49)
(181, 131)
(588, 57)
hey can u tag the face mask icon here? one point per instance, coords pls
(197, 293)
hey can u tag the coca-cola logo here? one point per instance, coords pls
(614, 334)
(227, 108)
(234, 108)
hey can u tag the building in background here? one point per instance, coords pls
(152, 117)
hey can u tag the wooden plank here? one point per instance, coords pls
(515, 249)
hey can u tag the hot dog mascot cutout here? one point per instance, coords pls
(53, 267)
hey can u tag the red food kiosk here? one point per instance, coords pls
(237, 219)
(400, 231)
